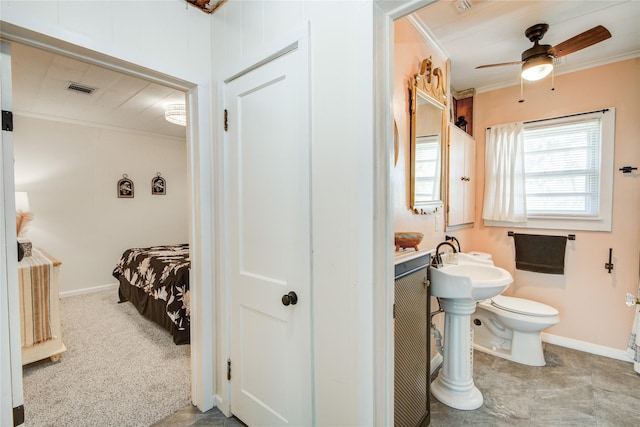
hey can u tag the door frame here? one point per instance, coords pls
(11, 360)
(201, 220)
(385, 13)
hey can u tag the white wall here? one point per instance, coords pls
(162, 35)
(174, 39)
(70, 174)
(342, 166)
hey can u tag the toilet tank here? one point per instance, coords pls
(481, 255)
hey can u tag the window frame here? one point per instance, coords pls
(602, 221)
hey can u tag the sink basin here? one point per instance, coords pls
(460, 284)
(472, 280)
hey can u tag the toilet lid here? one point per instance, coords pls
(523, 306)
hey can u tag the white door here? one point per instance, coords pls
(268, 146)
(11, 396)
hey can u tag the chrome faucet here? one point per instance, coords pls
(436, 261)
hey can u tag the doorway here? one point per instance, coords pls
(70, 149)
(198, 101)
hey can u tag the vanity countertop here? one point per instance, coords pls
(404, 256)
(408, 262)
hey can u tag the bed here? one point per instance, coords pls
(156, 281)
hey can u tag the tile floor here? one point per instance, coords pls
(191, 416)
(573, 389)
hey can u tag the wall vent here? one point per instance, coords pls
(77, 87)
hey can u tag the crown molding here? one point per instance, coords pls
(428, 36)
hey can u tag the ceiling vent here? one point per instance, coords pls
(462, 5)
(77, 87)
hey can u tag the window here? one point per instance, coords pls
(427, 168)
(562, 168)
(568, 172)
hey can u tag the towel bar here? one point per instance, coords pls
(569, 236)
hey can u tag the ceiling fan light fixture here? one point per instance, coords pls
(537, 68)
(176, 114)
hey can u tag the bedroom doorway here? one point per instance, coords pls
(202, 360)
(68, 148)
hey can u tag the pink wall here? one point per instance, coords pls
(590, 300)
(409, 49)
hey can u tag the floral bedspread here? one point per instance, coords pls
(163, 273)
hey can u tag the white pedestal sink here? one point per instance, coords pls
(459, 287)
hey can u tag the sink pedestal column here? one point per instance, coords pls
(454, 386)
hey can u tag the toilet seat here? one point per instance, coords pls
(523, 306)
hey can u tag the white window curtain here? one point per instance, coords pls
(505, 198)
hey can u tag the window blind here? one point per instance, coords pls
(562, 168)
(427, 172)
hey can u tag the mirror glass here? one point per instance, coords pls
(427, 125)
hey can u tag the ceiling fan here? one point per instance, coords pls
(537, 61)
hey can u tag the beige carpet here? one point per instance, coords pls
(119, 369)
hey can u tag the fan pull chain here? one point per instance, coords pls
(521, 90)
(553, 73)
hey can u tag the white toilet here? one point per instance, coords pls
(510, 327)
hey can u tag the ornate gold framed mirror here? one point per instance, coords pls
(428, 129)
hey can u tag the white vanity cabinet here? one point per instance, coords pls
(462, 175)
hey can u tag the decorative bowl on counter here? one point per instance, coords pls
(408, 239)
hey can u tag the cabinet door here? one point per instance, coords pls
(456, 177)
(469, 202)
(462, 164)
(412, 350)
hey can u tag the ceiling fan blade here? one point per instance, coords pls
(576, 43)
(498, 65)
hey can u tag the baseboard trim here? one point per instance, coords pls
(587, 347)
(89, 290)
(436, 361)
(219, 402)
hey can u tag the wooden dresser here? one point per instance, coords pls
(40, 329)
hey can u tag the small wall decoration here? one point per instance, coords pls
(125, 187)
(158, 185)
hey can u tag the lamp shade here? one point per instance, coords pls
(22, 202)
(537, 67)
(176, 114)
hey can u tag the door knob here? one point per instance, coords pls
(290, 298)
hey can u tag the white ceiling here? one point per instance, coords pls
(492, 31)
(40, 80)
